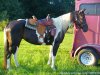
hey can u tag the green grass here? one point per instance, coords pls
(33, 60)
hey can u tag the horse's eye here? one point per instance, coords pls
(76, 19)
(81, 17)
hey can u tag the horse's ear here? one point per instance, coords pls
(82, 10)
(34, 17)
(48, 17)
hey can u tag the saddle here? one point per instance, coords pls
(32, 21)
(41, 26)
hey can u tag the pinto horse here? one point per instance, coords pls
(15, 31)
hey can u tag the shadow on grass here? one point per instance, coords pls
(35, 69)
(98, 65)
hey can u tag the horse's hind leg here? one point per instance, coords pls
(7, 52)
(10, 47)
(15, 57)
(14, 50)
(8, 62)
(15, 45)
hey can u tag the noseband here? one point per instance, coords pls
(76, 20)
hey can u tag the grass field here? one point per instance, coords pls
(33, 60)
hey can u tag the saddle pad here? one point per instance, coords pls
(51, 30)
(33, 27)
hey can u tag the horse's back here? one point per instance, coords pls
(15, 23)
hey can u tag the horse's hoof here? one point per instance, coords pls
(43, 43)
(17, 66)
(54, 68)
(9, 68)
(48, 63)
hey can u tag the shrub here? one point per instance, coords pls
(3, 15)
(3, 23)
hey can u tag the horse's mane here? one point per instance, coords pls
(63, 17)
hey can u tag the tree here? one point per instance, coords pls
(13, 9)
(10, 9)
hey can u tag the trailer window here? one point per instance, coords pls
(91, 9)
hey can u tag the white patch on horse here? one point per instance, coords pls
(20, 19)
(53, 63)
(62, 22)
(29, 26)
(50, 55)
(53, 58)
(41, 40)
(5, 37)
(15, 58)
(8, 63)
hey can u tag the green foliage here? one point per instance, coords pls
(3, 23)
(14, 9)
(3, 15)
(70, 30)
(26, 8)
(10, 9)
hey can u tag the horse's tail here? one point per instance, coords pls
(6, 46)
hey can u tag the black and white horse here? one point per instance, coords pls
(15, 31)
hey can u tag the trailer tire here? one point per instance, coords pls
(88, 57)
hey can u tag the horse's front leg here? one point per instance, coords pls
(50, 55)
(55, 47)
(54, 52)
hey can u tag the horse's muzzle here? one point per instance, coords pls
(41, 39)
(85, 28)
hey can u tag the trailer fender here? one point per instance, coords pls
(93, 46)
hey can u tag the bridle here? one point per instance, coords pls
(77, 21)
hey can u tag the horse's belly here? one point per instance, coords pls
(30, 36)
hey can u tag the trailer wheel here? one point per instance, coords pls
(88, 57)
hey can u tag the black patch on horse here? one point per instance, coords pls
(48, 37)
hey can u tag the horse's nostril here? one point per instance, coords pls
(85, 28)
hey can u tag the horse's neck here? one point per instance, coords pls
(62, 22)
